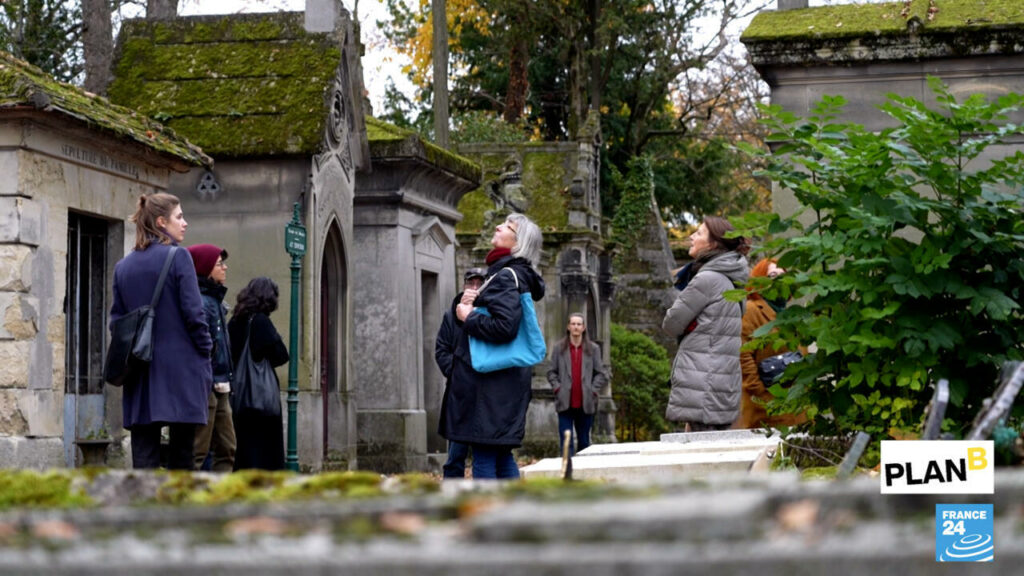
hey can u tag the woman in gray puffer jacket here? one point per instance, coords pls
(706, 374)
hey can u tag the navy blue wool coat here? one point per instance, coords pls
(177, 386)
(490, 408)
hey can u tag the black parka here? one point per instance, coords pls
(490, 408)
(444, 355)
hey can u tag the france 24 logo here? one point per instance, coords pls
(937, 467)
(963, 533)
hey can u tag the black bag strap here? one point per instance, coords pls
(163, 276)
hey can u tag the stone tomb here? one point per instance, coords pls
(71, 168)
(692, 453)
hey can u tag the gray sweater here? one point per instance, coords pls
(706, 375)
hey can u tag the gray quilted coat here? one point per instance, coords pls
(706, 375)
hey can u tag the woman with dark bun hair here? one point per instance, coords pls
(174, 390)
(706, 374)
(260, 436)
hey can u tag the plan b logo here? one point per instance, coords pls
(963, 533)
(937, 467)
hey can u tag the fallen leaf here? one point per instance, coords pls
(402, 522)
(54, 530)
(798, 516)
(255, 525)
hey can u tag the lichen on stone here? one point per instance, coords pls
(890, 18)
(25, 87)
(238, 85)
(31, 489)
(546, 172)
(390, 141)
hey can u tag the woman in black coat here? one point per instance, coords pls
(488, 410)
(260, 436)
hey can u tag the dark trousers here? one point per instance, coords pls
(494, 462)
(146, 446)
(455, 467)
(581, 421)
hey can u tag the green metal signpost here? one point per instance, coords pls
(295, 245)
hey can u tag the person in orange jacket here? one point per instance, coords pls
(755, 394)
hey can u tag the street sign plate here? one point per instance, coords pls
(295, 239)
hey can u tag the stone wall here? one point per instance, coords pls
(645, 290)
(771, 525)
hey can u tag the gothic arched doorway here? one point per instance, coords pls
(333, 346)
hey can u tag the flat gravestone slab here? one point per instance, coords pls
(746, 442)
(717, 436)
(634, 467)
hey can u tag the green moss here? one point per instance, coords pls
(253, 84)
(24, 85)
(547, 172)
(546, 180)
(559, 490)
(473, 207)
(819, 473)
(390, 141)
(331, 485)
(179, 487)
(857, 20)
(31, 489)
(417, 484)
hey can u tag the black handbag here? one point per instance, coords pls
(254, 386)
(770, 369)
(131, 337)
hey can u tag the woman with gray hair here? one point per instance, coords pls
(488, 410)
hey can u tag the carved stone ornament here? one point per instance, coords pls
(339, 122)
(575, 285)
(208, 188)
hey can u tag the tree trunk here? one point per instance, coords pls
(161, 9)
(97, 45)
(439, 13)
(518, 82)
(578, 81)
(593, 22)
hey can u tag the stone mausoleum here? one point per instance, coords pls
(865, 51)
(277, 100)
(557, 184)
(71, 168)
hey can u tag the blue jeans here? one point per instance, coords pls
(574, 418)
(494, 462)
(455, 467)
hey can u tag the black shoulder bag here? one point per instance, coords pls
(131, 337)
(254, 386)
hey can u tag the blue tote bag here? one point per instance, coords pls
(526, 349)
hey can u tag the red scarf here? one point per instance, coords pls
(497, 254)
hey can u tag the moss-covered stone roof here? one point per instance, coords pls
(895, 31)
(390, 141)
(237, 85)
(25, 87)
(891, 18)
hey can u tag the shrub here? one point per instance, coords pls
(640, 372)
(905, 261)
